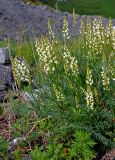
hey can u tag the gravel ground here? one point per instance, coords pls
(14, 14)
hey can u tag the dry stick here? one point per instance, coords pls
(9, 125)
(9, 117)
(14, 142)
(27, 135)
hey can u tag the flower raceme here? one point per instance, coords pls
(20, 71)
(46, 55)
(70, 62)
(65, 30)
(89, 93)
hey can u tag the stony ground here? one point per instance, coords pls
(14, 14)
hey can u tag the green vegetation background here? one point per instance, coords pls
(88, 7)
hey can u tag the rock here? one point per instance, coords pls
(13, 144)
(84, 16)
(109, 155)
(31, 97)
(33, 18)
(18, 70)
(6, 77)
(6, 80)
(2, 95)
(4, 56)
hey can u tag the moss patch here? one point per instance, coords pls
(35, 2)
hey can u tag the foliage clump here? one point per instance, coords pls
(73, 114)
